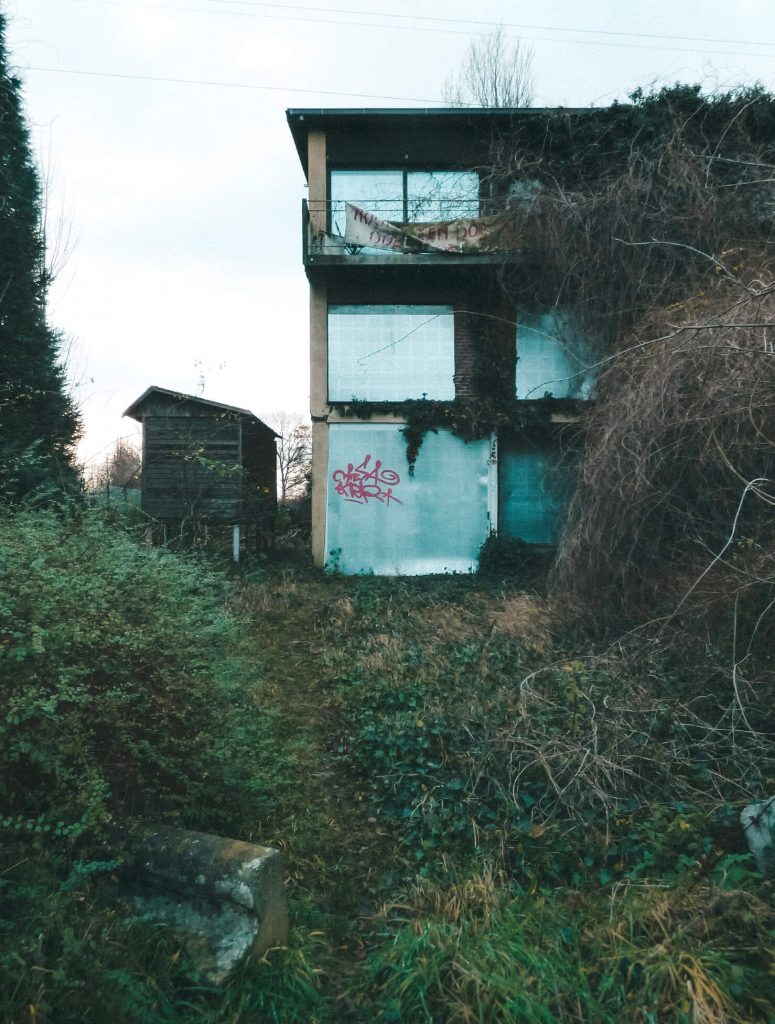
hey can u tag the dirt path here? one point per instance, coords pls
(340, 862)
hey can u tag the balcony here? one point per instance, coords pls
(341, 233)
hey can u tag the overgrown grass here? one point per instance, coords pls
(484, 951)
(475, 733)
(604, 784)
(484, 816)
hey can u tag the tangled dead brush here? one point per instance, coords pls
(676, 487)
(576, 743)
(653, 229)
(620, 205)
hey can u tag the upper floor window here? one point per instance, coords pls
(405, 196)
(390, 353)
(552, 359)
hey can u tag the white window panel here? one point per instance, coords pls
(551, 358)
(381, 520)
(391, 353)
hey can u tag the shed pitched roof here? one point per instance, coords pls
(134, 410)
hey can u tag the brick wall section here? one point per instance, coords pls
(500, 348)
(466, 352)
(485, 351)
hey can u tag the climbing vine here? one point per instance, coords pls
(469, 419)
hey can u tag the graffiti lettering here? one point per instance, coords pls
(382, 241)
(464, 234)
(364, 483)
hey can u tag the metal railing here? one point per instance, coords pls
(323, 223)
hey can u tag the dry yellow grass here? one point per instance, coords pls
(524, 617)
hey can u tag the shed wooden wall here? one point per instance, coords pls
(214, 466)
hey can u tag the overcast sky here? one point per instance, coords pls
(182, 201)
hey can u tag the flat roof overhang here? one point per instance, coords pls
(469, 127)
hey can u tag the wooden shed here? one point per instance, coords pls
(206, 464)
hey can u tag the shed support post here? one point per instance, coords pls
(235, 543)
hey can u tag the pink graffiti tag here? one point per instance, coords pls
(365, 483)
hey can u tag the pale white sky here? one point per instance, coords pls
(183, 200)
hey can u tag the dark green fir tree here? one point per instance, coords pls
(38, 421)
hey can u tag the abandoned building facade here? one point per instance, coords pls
(412, 336)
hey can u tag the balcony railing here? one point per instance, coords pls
(332, 231)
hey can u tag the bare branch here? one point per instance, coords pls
(495, 73)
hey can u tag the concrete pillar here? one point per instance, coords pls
(318, 349)
(317, 178)
(318, 333)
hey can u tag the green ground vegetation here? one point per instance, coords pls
(487, 813)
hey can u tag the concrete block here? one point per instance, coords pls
(224, 895)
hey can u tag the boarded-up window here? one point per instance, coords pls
(533, 491)
(382, 520)
(551, 358)
(390, 353)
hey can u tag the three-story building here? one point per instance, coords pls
(435, 401)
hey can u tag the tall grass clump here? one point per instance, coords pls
(486, 952)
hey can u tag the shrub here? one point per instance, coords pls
(120, 688)
(512, 557)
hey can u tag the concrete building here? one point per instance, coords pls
(415, 348)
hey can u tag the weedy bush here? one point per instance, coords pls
(121, 689)
(508, 556)
(124, 692)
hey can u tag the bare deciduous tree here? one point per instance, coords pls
(119, 468)
(496, 72)
(294, 452)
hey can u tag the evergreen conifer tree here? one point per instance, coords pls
(38, 422)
